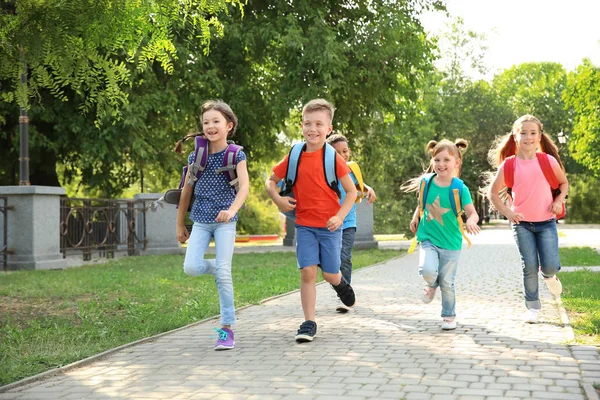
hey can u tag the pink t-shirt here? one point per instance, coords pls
(531, 192)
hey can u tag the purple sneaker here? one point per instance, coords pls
(225, 340)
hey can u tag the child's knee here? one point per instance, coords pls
(308, 274)
(191, 270)
(550, 271)
(430, 275)
(331, 278)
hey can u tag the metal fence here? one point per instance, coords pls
(4, 232)
(101, 226)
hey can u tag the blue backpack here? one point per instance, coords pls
(286, 185)
(456, 188)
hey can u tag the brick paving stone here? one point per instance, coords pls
(389, 346)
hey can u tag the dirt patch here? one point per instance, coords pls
(20, 311)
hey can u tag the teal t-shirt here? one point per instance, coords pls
(439, 224)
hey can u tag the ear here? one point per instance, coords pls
(229, 127)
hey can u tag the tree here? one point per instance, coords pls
(582, 95)
(88, 47)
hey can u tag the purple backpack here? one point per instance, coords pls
(198, 166)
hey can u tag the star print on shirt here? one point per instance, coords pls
(436, 212)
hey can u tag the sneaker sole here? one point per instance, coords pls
(221, 347)
(304, 338)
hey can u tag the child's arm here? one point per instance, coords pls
(414, 223)
(370, 194)
(243, 190)
(563, 185)
(184, 202)
(286, 203)
(337, 220)
(494, 197)
(472, 219)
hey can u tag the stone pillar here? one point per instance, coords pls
(290, 233)
(364, 227)
(33, 218)
(160, 226)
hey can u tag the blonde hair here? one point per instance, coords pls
(456, 150)
(318, 105)
(217, 105)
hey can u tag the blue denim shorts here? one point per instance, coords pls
(319, 246)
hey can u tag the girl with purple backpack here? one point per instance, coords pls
(214, 208)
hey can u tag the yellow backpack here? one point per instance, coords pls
(360, 186)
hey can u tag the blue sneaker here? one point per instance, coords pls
(225, 340)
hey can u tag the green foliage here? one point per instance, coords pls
(583, 204)
(581, 298)
(90, 48)
(259, 216)
(583, 97)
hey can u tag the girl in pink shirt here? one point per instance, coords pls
(531, 208)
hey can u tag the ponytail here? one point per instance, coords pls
(179, 145)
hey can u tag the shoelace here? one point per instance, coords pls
(221, 334)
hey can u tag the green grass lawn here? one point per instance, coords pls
(581, 293)
(51, 318)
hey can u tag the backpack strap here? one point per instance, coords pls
(360, 186)
(456, 188)
(509, 174)
(549, 174)
(329, 155)
(200, 160)
(422, 198)
(291, 173)
(230, 164)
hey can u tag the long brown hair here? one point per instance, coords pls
(455, 149)
(506, 146)
(216, 105)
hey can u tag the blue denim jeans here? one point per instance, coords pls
(438, 267)
(195, 264)
(348, 235)
(538, 247)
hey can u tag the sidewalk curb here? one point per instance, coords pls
(590, 392)
(99, 356)
(588, 388)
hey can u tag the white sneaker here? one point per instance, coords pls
(428, 294)
(449, 323)
(341, 307)
(554, 285)
(531, 316)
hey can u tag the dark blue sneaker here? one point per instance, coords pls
(306, 332)
(345, 293)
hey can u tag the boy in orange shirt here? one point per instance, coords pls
(319, 215)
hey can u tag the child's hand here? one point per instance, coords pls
(414, 224)
(556, 207)
(472, 227)
(514, 217)
(182, 234)
(371, 196)
(286, 203)
(225, 216)
(334, 223)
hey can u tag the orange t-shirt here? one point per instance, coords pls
(315, 201)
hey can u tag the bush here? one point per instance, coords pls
(583, 204)
(259, 216)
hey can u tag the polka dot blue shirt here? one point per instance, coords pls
(212, 192)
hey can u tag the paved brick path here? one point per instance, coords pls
(390, 346)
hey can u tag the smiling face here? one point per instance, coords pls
(528, 137)
(316, 125)
(215, 126)
(445, 164)
(342, 149)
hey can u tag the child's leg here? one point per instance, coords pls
(194, 263)
(308, 291)
(330, 247)
(348, 236)
(448, 262)
(428, 263)
(307, 254)
(224, 244)
(547, 244)
(526, 242)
